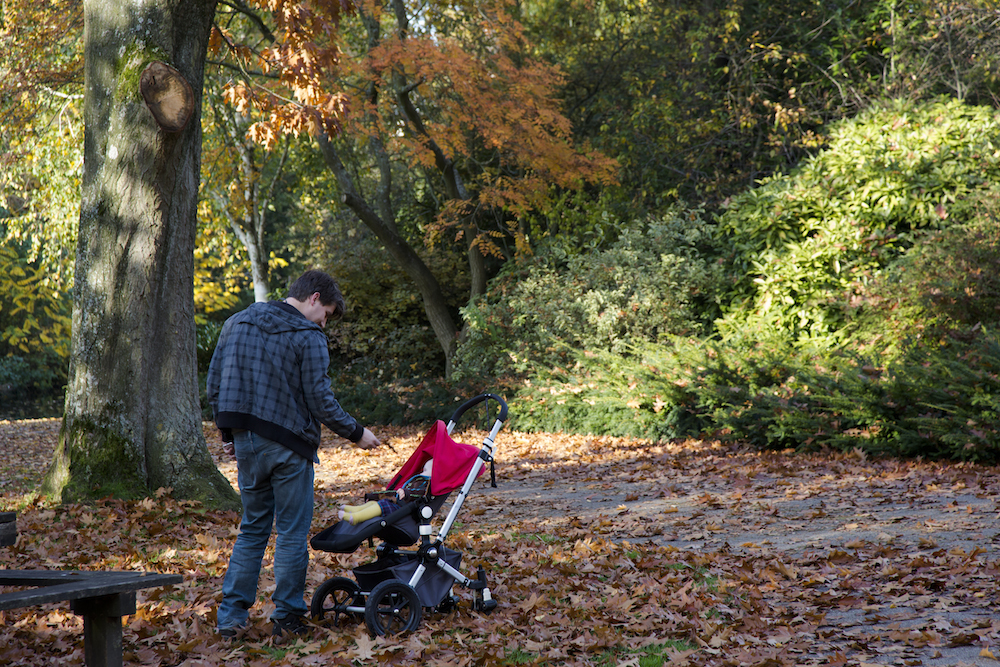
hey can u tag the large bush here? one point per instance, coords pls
(894, 352)
(654, 282)
(34, 334)
(915, 371)
(805, 245)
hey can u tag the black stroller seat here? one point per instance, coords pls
(392, 591)
(400, 529)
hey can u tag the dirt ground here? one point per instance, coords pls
(822, 520)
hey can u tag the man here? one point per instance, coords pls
(268, 387)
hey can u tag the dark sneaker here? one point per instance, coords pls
(289, 627)
(229, 634)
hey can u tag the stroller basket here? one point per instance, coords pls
(392, 591)
(433, 587)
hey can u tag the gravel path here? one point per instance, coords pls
(804, 511)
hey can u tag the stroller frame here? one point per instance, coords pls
(401, 582)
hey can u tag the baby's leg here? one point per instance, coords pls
(360, 513)
(354, 508)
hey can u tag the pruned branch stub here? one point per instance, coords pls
(168, 95)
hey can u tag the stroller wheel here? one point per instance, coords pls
(333, 597)
(393, 608)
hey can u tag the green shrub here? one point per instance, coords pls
(647, 394)
(32, 387)
(771, 394)
(652, 283)
(29, 378)
(805, 244)
(872, 323)
(946, 287)
(929, 403)
(915, 372)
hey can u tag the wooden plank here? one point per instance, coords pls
(57, 586)
(48, 577)
(102, 598)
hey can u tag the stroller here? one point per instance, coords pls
(392, 591)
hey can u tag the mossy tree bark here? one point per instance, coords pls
(132, 423)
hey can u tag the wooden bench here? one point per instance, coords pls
(102, 598)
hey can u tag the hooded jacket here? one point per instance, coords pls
(269, 375)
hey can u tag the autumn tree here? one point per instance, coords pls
(40, 130)
(40, 91)
(429, 95)
(132, 421)
(242, 184)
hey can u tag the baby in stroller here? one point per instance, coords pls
(384, 503)
(392, 591)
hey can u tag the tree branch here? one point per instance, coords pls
(242, 8)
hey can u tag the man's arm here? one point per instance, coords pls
(213, 380)
(322, 402)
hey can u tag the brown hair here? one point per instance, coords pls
(313, 281)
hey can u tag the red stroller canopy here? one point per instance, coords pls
(452, 461)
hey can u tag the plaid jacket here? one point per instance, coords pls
(269, 375)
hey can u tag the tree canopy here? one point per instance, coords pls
(450, 101)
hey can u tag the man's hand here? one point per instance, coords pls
(228, 448)
(368, 441)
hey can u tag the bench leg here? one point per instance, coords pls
(102, 627)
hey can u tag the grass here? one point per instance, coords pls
(654, 655)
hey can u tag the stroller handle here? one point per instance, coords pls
(476, 401)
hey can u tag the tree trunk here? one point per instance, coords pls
(251, 230)
(132, 423)
(435, 305)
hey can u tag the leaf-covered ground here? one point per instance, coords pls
(600, 551)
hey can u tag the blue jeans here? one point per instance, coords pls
(276, 485)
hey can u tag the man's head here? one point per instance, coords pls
(317, 296)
